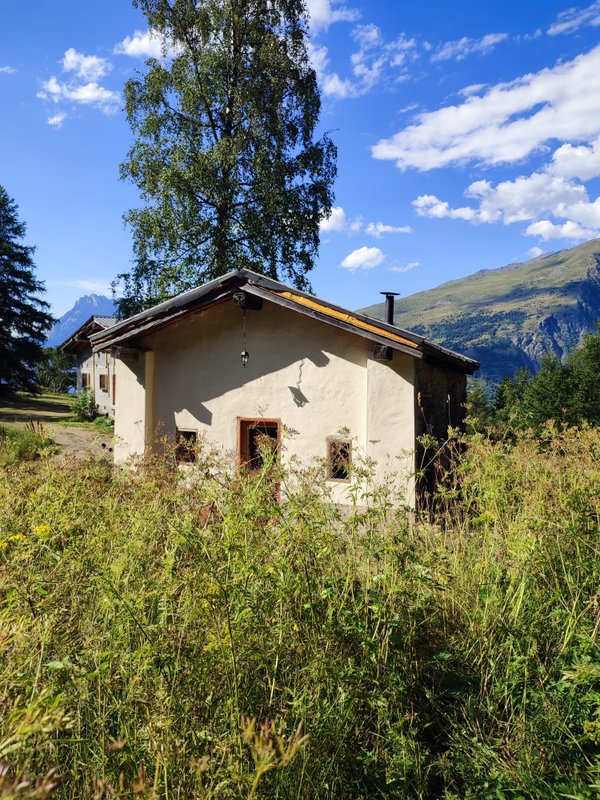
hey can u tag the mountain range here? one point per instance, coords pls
(88, 306)
(509, 317)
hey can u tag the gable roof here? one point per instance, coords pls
(126, 332)
(82, 335)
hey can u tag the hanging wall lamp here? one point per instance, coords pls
(246, 301)
(244, 355)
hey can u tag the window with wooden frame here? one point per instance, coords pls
(256, 438)
(339, 459)
(185, 445)
(103, 379)
(85, 380)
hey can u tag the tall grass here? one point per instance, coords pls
(184, 635)
(27, 443)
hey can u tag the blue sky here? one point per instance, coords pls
(468, 137)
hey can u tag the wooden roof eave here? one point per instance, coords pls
(274, 297)
(441, 355)
(153, 325)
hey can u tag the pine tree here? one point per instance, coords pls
(509, 403)
(225, 154)
(23, 316)
(548, 394)
(584, 365)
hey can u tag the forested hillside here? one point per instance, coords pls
(509, 317)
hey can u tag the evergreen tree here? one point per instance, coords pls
(225, 154)
(584, 366)
(548, 394)
(480, 409)
(23, 316)
(509, 403)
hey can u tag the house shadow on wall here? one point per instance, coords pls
(233, 376)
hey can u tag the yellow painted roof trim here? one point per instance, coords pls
(331, 312)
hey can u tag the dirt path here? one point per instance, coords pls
(48, 410)
(81, 441)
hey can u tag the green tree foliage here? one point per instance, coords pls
(84, 406)
(58, 370)
(23, 316)
(510, 395)
(548, 394)
(225, 154)
(479, 405)
(568, 393)
(585, 381)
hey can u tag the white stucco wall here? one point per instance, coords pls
(132, 424)
(95, 365)
(391, 423)
(315, 378)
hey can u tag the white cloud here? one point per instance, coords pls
(96, 286)
(428, 205)
(508, 122)
(574, 18)
(568, 230)
(143, 44)
(461, 48)
(82, 88)
(473, 88)
(405, 267)
(534, 252)
(342, 88)
(323, 13)
(374, 61)
(363, 258)
(378, 229)
(529, 198)
(89, 68)
(7, 70)
(336, 221)
(86, 94)
(577, 162)
(57, 120)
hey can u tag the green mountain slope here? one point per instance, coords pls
(509, 317)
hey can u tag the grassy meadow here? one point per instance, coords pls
(44, 408)
(183, 635)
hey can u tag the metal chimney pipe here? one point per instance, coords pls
(389, 299)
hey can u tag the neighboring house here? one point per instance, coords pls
(95, 371)
(245, 356)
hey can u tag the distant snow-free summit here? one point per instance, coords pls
(90, 305)
(509, 317)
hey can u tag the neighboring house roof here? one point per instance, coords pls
(81, 337)
(126, 332)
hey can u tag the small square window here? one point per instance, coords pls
(339, 459)
(103, 383)
(255, 437)
(185, 447)
(85, 380)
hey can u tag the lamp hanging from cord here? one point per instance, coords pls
(244, 355)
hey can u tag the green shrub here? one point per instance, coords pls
(24, 444)
(84, 406)
(105, 424)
